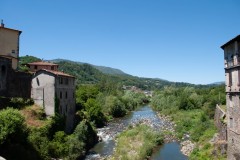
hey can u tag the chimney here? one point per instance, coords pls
(2, 24)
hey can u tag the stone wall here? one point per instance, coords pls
(19, 84)
(13, 83)
(220, 123)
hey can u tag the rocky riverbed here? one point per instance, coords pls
(144, 115)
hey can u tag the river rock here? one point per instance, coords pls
(187, 147)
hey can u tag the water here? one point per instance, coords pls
(169, 151)
(144, 114)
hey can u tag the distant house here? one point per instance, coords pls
(9, 44)
(35, 66)
(55, 92)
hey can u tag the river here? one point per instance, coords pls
(145, 114)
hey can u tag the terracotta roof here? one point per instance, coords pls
(57, 73)
(237, 38)
(40, 63)
(10, 29)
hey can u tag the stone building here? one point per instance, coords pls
(232, 75)
(55, 92)
(9, 44)
(35, 66)
(12, 82)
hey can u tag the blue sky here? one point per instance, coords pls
(176, 40)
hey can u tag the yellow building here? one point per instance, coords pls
(9, 44)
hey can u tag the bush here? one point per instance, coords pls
(38, 137)
(12, 126)
(58, 147)
(114, 106)
(20, 102)
(94, 113)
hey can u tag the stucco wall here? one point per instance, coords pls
(43, 91)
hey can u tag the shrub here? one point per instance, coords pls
(115, 107)
(94, 113)
(58, 147)
(12, 126)
(20, 102)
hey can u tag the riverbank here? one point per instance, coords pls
(187, 146)
(137, 142)
(144, 116)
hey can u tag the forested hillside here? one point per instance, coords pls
(88, 74)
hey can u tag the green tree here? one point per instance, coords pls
(94, 112)
(114, 106)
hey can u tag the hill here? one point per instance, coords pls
(109, 70)
(103, 69)
(91, 74)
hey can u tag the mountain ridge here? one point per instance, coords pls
(103, 69)
(86, 73)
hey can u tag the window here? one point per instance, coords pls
(60, 95)
(66, 95)
(52, 67)
(13, 51)
(230, 79)
(60, 80)
(38, 83)
(66, 80)
(35, 67)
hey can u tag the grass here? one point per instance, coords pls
(136, 143)
(34, 116)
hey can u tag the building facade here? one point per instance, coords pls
(35, 66)
(232, 78)
(55, 92)
(9, 44)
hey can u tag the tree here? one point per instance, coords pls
(94, 112)
(114, 106)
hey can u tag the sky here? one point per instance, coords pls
(176, 40)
